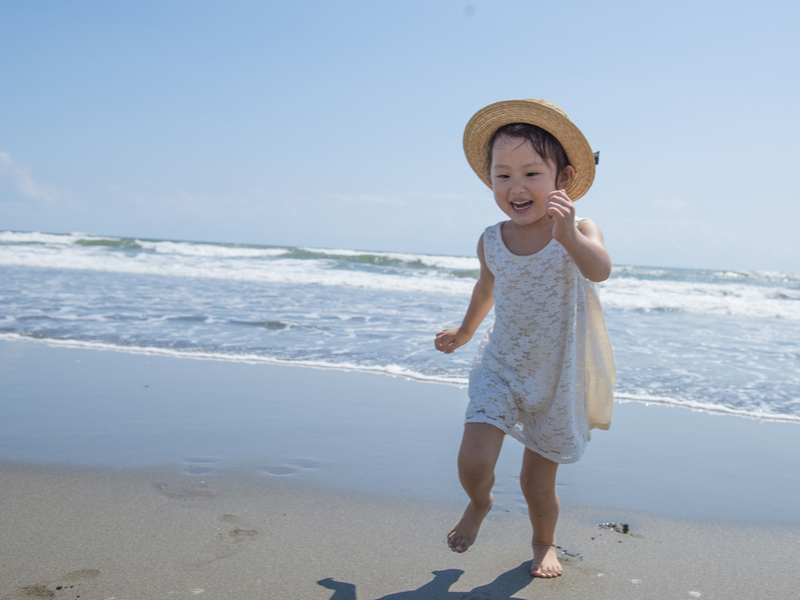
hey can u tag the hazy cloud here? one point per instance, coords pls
(20, 177)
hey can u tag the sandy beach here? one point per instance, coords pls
(133, 476)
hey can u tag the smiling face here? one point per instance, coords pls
(522, 180)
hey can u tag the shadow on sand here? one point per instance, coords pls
(502, 588)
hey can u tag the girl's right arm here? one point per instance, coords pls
(479, 306)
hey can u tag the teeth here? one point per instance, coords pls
(521, 204)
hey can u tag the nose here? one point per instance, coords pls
(517, 187)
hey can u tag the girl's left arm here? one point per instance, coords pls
(584, 243)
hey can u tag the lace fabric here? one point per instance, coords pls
(530, 376)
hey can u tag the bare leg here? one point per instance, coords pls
(477, 458)
(538, 480)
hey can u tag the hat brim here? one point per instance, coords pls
(487, 121)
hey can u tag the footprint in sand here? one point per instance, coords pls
(568, 556)
(293, 466)
(281, 470)
(81, 575)
(31, 591)
(239, 534)
(226, 543)
(202, 465)
(64, 588)
(195, 492)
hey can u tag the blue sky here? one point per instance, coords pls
(339, 123)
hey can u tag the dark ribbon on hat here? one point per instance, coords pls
(597, 157)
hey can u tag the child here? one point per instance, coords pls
(544, 374)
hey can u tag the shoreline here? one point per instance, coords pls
(620, 397)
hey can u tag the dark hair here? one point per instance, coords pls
(544, 142)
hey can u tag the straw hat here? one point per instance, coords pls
(544, 114)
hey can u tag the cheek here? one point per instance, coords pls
(500, 202)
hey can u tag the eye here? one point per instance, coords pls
(531, 174)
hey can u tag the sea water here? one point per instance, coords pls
(719, 341)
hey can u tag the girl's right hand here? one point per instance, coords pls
(450, 339)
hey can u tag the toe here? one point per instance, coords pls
(545, 571)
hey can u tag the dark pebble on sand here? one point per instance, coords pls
(618, 527)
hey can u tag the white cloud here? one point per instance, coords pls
(20, 176)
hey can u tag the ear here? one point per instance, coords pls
(565, 177)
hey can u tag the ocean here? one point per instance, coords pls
(716, 341)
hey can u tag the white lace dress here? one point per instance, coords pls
(544, 373)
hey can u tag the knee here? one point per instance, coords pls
(477, 457)
(475, 471)
(536, 489)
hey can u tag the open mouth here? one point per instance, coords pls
(521, 205)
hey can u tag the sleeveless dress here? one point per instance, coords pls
(544, 374)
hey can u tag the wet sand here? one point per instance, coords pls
(133, 476)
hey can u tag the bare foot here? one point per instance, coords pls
(463, 535)
(545, 562)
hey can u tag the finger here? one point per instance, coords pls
(562, 193)
(560, 200)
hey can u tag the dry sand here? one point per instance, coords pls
(169, 497)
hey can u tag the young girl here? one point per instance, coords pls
(544, 374)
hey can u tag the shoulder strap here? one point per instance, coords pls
(490, 245)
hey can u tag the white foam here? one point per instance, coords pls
(35, 237)
(736, 299)
(293, 271)
(393, 370)
(741, 294)
(705, 407)
(209, 250)
(456, 263)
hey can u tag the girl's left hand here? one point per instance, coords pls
(561, 211)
